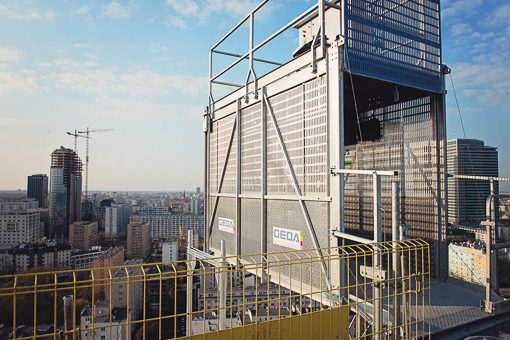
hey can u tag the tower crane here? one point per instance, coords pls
(76, 134)
(86, 132)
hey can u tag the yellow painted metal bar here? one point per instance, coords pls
(293, 280)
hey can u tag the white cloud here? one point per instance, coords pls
(15, 122)
(155, 47)
(92, 56)
(82, 10)
(79, 45)
(10, 54)
(482, 37)
(116, 10)
(66, 63)
(460, 29)
(13, 81)
(488, 83)
(190, 8)
(89, 77)
(500, 15)
(460, 7)
(119, 107)
(29, 14)
(184, 7)
(176, 21)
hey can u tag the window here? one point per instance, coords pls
(103, 337)
(103, 329)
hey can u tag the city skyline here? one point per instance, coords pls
(141, 69)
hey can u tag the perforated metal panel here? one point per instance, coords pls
(226, 209)
(220, 138)
(301, 115)
(395, 40)
(315, 137)
(251, 143)
(251, 226)
(289, 215)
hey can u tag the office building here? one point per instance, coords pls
(83, 235)
(37, 188)
(198, 190)
(148, 210)
(20, 226)
(52, 255)
(195, 206)
(113, 257)
(121, 289)
(65, 191)
(139, 239)
(165, 226)
(83, 259)
(110, 322)
(18, 204)
(186, 222)
(467, 197)
(170, 251)
(116, 219)
(5, 259)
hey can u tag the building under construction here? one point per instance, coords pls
(65, 191)
(295, 158)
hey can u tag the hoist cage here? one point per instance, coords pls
(363, 90)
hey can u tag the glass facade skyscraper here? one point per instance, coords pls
(37, 187)
(467, 197)
(65, 191)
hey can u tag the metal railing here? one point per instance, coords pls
(272, 295)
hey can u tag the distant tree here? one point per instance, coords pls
(100, 237)
(151, 329)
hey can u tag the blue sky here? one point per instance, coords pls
(140, 68)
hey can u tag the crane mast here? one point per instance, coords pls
(86, 133)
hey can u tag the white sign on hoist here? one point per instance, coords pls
(226, 224)
(288, 238)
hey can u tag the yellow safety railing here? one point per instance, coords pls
(304, 294)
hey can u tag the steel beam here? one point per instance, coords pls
(254, 59)
(227, 156)
(482, 178)
(263, 183)
(238, 230)
(296, 186)
(364, 172)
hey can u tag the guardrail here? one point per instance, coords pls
(267, 296)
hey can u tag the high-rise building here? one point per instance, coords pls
(20, 226)
(37, 188)
(164, 226)
(170, 251)
(195, 206)
(467, 197)
(118, 293)
(83, 235)
(117, 218)
(113, 257)
(52, 255)
(198, 190)
(65, 191)
(16, 204)
(139, 239)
